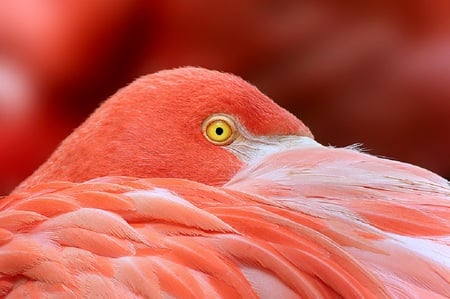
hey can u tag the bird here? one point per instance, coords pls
(191, 183)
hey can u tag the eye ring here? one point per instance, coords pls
(220, 129)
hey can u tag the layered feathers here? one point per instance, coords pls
(283, 227)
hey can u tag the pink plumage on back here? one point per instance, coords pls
(294, 220)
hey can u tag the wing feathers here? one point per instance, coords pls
(300, 223)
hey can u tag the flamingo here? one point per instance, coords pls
(190, 183)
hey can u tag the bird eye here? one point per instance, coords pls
(219, 129)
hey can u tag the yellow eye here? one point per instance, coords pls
(219, 129)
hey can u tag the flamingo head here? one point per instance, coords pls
(188, 123)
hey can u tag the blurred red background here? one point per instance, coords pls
(375, 73)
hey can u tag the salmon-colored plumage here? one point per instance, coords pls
(272, 214)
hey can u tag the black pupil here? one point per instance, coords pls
(219, 131)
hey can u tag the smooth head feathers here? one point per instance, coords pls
(152, 128)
